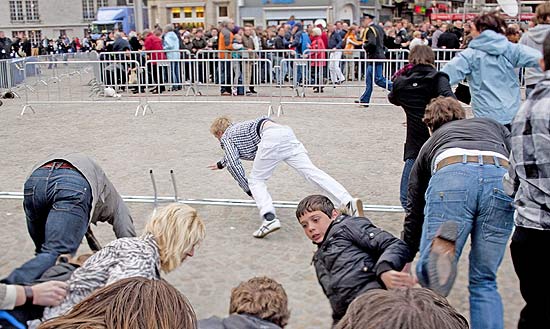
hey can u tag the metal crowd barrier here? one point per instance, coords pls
(278, 77)
(213, 202)
(74, 83)
(143, 55)
(185, 81)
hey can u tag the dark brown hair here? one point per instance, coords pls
(261, 297)
(490, 21)
(410, 308)
(313, 203)
(442, 110)
(129, 304)
(423, 55)
(542, 12)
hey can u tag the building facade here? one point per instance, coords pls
(194, 13)
(39, 19)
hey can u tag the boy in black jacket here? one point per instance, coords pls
(353, 256)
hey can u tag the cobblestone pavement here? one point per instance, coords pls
(360, 148)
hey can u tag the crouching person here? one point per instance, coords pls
(63, 195)
(260, 302)
(354, 256)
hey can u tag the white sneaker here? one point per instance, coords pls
(268, 226)
(355, 207)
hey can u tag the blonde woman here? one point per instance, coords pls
(169, 238)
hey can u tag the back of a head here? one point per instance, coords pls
(490, 21)
(263, 298)
(177, 229)
(423, 55)
(442, 110)
(220, 125)
(401, 308)
(128, 304)
(542, 13)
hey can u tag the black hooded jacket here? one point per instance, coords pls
(351, 258)
(413, 90)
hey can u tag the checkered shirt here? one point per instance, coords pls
(240, 141)
(530, 159)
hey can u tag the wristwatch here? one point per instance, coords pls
(28, 295)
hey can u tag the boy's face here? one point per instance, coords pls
(316, 223)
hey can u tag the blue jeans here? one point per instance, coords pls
(472, 195)
(57, 204)
(176, 74)
(379, 79)
(405, 182)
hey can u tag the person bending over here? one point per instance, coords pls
(268, 144)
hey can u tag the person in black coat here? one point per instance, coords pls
(353, 255)
(414, 87)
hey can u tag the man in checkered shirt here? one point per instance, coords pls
(267, 144)
(529, 179)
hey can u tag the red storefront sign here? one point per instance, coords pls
(471, 16)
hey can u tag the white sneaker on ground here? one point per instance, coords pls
(268, 226)
(355, 207)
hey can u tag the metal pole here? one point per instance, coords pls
(138, 14)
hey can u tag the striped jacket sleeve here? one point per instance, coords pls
(234, 165)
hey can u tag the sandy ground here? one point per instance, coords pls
(361, 148)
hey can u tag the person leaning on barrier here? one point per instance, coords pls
(456, 192)
(412, 308)
(260, 302)
(169, 238)
(133, 303)
(63, 195)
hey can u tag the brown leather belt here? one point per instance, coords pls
(64, 165)
(486, 159)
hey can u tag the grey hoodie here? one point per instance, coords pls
(237, 321)
(534, 39)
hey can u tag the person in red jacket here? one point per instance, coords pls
(318, 62)
(153, 45)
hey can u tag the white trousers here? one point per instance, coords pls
(334, 67)
(280, 144)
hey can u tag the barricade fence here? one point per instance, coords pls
(275, 77)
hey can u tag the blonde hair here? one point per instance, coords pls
(261, 297)
(316, 31)
(128, 304)
(220, 125)
(177, 229)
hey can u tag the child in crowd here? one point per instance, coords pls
(353, 255)
(260, 302)
(238, 48)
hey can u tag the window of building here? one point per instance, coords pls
(102, 3)
(17, 34)
(62, 33)
(88, 11)
(188, 12)
(222, 11)
(176, 12)
(35, 36)
(31, 7)
(199, 12)
(16, 10)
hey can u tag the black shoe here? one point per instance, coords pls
(315, 90)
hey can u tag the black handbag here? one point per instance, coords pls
(462, 93)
